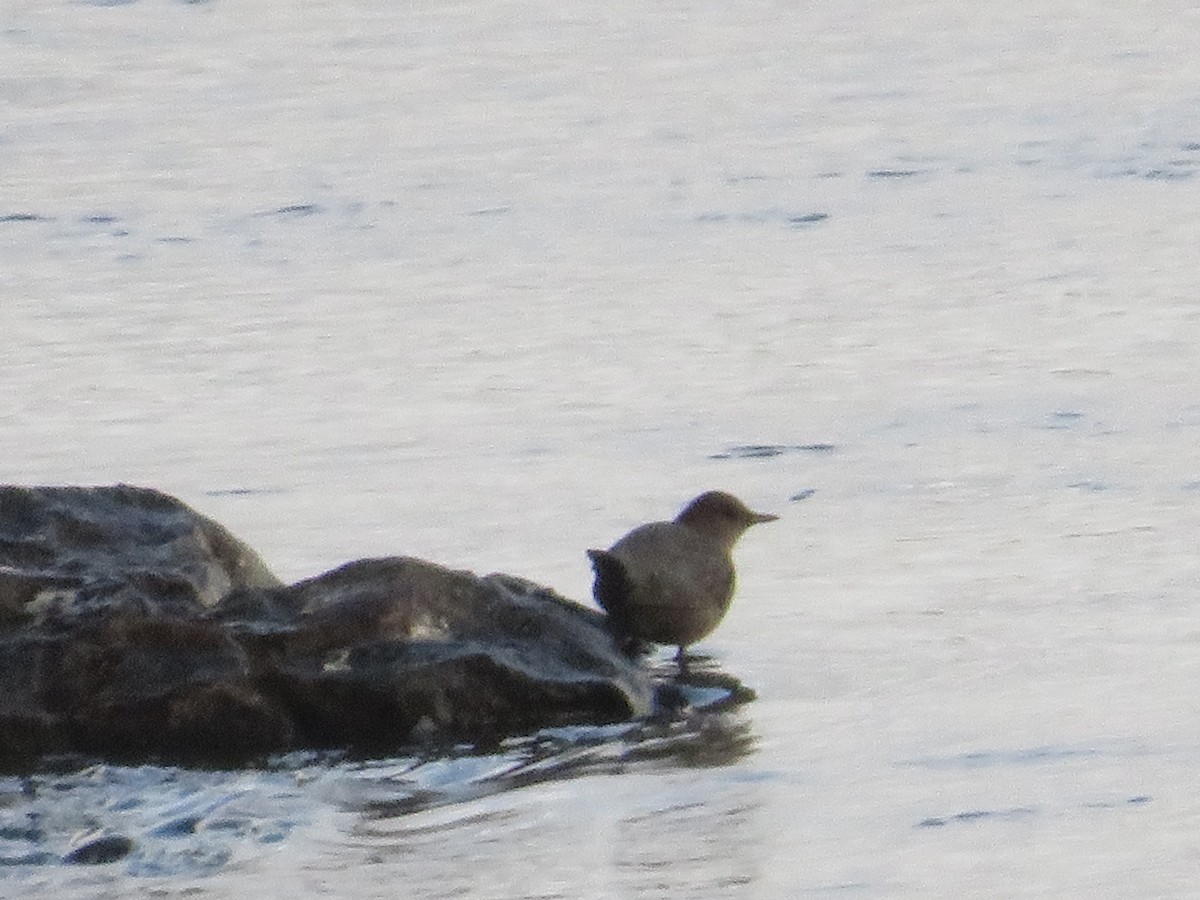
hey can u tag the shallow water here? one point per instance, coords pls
(491, 283)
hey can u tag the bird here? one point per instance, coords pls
(672, 582)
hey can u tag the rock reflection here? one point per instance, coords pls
(657, 807)
(702, 727)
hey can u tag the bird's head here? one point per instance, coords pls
(721, 516)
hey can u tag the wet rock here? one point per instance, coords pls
(99, 851)
(393, 647)
(65, 550)
(132, 626)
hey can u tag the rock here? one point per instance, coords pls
(131, 626)
(108, 848)
(65, 549)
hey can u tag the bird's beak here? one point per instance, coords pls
(758, 517)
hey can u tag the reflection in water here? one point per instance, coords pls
(633, 809)
(634, 836)
(701, 740)
(705, 729)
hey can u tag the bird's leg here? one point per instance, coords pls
(681, 660)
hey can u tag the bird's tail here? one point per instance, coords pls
(612, 584)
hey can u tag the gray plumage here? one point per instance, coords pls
(672, 582)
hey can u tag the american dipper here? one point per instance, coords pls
(671, 582)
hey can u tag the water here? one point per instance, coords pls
(490, 283)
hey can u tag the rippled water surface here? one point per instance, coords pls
(490, 283)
